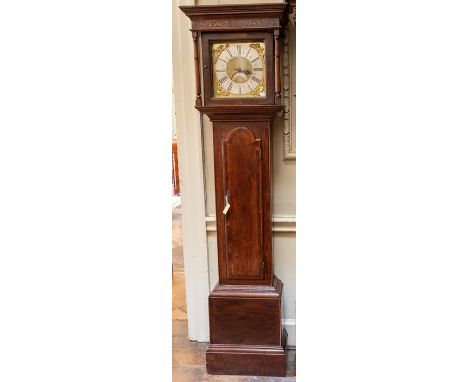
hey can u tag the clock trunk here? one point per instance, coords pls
(242, 178)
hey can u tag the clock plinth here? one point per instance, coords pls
(246, 334)
(240, 64)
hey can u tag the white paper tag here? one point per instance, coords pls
(226, 209)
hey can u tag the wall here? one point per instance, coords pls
(284, 194)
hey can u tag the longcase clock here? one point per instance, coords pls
(237, 70)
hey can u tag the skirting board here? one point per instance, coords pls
(290, 325)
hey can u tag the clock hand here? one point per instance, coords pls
(246, 71)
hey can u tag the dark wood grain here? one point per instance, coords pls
(175, 170)
(198, 100)
(247, 359)
(246, 334)
(247, 17)
(242, 167)
(244, 321)
(241, 112)
(246, 316)
(242, 152)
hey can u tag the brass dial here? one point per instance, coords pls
(239, 69)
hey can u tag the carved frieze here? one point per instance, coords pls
(234, 24)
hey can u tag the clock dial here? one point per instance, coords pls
(239, 69)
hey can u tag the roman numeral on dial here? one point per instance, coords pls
(255, 59)
(239, 50)
(229, 87)
(256, 79)
(223, 79)
(258, 69)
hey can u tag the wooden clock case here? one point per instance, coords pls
(245, 307)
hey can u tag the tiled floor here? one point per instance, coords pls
(188, 358)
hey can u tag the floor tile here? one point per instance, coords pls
(179, 306)
(187, 374)
(188, 357)
(179, 328)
